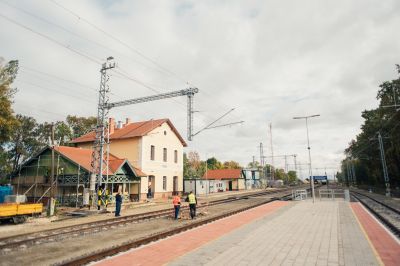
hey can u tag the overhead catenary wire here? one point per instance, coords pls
(91, 59)
(63, 93)
(135, 50)
(83, 93)
(78, 52)
(113, 37)
(76, 35)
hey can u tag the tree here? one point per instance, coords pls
(363, 153)
(254, 164)
(80, 125)
(192, 166)
(213, 163)
(231, 165)
(24, 141)
(280, 174)
(8, 121)
(292, 176)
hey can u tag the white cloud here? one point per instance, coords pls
(272, 60)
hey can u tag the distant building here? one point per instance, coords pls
(154, 146)
(252, 177)
(225, 179)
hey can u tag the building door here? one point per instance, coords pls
(230, 185)
(151, 187)
(175, 185)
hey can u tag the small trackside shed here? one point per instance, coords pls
(225, 179)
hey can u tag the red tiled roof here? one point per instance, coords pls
(223, 174)
(132, 130)
(83, 157)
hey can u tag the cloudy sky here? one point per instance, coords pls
(270, 60)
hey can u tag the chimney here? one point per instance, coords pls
(119, 125)
(111, 125)
(128, 121)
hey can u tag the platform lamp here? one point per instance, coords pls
(309, 152)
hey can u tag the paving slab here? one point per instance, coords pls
(279, 233)
(324, 233)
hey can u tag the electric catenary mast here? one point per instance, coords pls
(98, 163)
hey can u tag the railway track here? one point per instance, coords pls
(101, 254)
(52, 235)
(386, 214)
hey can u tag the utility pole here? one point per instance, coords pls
(354, 174)
(383, 160)
(348, 176)
(309, 153)
(286, 166)
(272, 153)
(262, 160)
(52, 162)
(51, 202)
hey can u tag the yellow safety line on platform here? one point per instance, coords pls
(368, 239)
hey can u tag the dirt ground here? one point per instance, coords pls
(43, 223)
(52, 253)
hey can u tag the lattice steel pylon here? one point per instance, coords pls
(99, 163)
(189, 92)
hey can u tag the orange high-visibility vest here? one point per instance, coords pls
(176, 200)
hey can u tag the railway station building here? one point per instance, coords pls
(154, 146)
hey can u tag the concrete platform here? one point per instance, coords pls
(279, 233)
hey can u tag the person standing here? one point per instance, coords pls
(191, 198)
(176, 200)
(118, 203)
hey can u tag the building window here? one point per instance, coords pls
(164, 183)
(175, 156)
(165, 154)
(152, 153)
(165, 133)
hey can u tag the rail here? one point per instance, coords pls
(83, 260)
(90, 227)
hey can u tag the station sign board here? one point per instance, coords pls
(320, 177)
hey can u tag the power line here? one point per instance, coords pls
(75, 34)
(80, 18)
(82, 54)
(64, 87)
(66, 94)
(135, 50)
(51, 39)
(56, 77)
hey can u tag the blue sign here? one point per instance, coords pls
(320, 177)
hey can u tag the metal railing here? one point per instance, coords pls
(299, 194)
(331, 194)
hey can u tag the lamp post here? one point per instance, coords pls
(309, 152)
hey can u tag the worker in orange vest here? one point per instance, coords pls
(176, 200)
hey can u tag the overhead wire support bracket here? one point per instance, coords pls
(209, 126)
(186, 92)
(190, 92)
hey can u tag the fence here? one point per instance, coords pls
(333, 194)
(299, 194)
